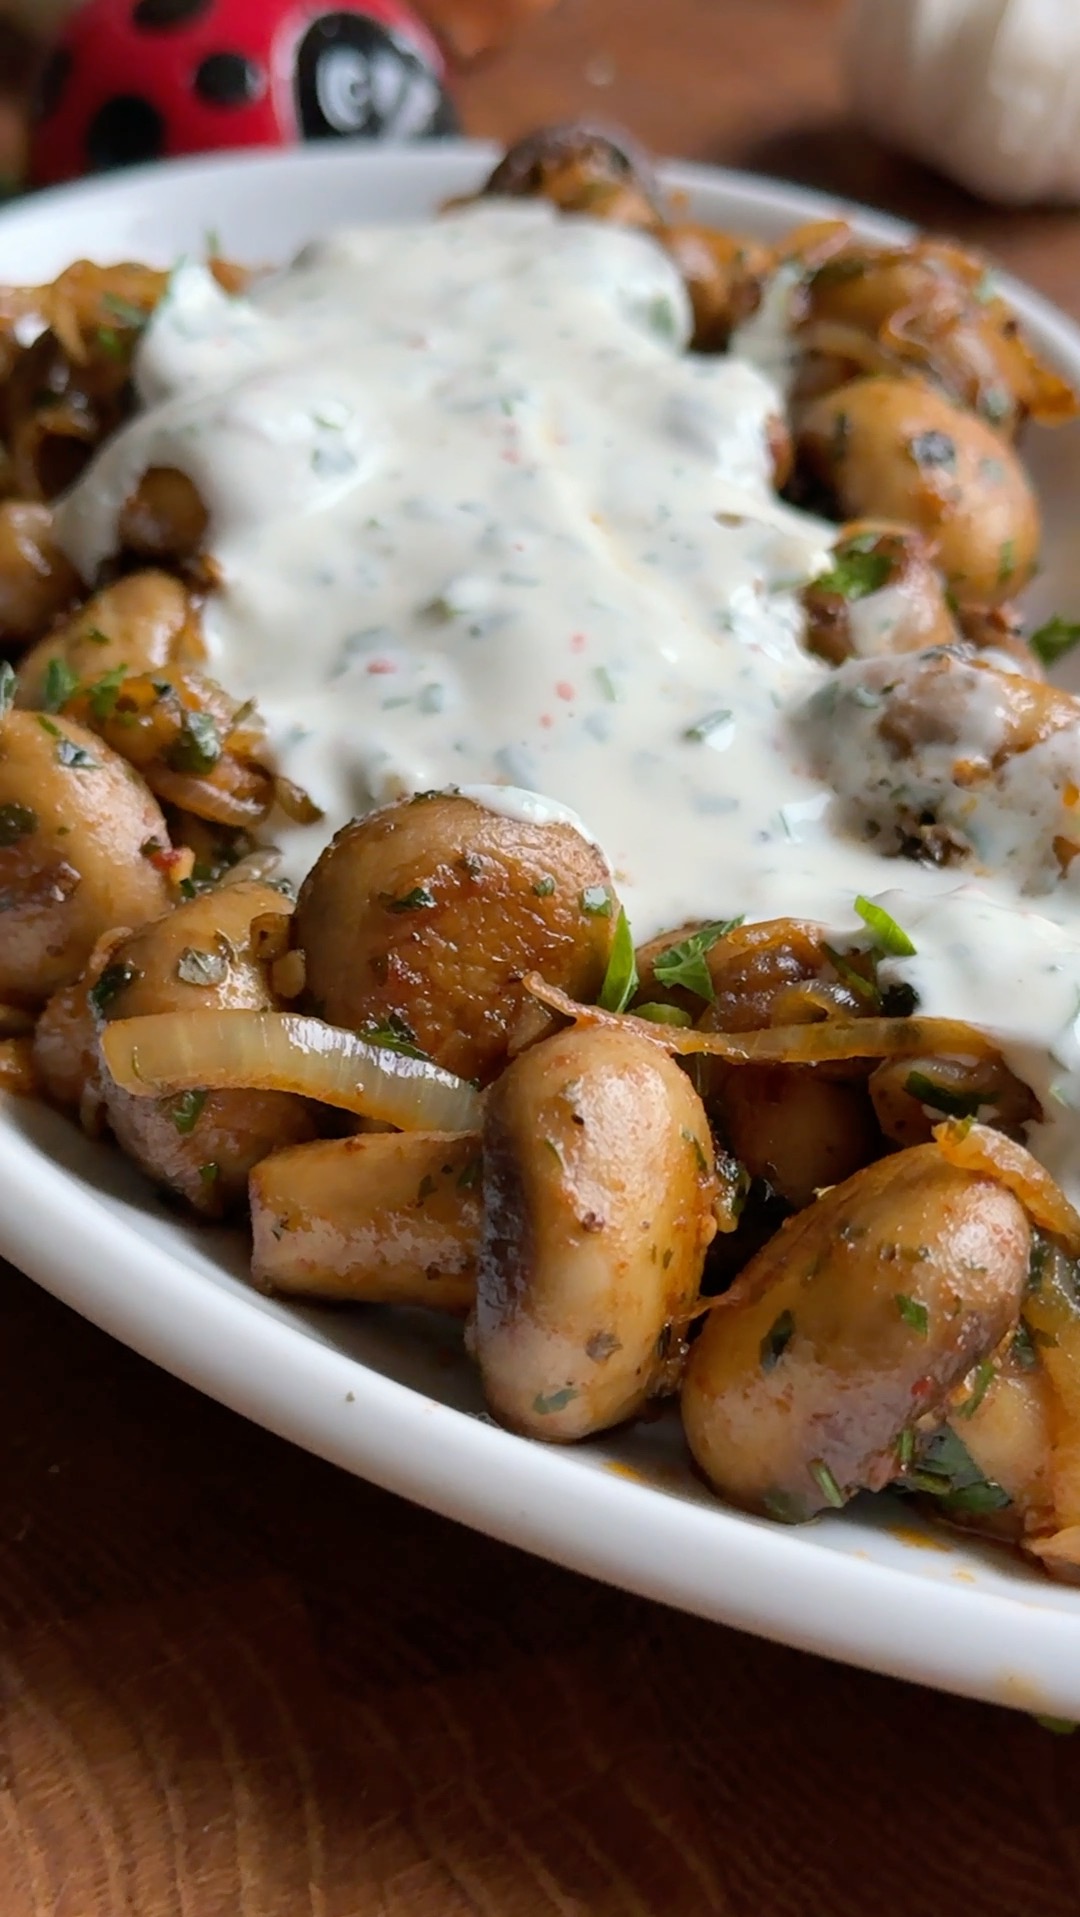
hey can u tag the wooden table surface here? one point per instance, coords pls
(236, 1683)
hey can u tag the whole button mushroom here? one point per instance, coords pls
(598, 1211)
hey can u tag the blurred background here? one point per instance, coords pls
(517, 63)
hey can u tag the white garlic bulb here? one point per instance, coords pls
(985, 90)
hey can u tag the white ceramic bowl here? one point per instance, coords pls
(390, 1396)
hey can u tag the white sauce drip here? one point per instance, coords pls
(483, 522)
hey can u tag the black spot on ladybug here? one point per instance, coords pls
(123, 132)
(357, 79)
(229, 80)
(52, 83)
(157, 16)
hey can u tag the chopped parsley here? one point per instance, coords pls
(857, 569)
(104, 692)
(60, 682)
(866, 989)
(983, 1379)
(1053, 640)
(698, 1150)
(946, 1470)
(125, 311)
(913, 1313)
(783, 1508)
(111, 983)
(1026, 1344)
(16, 822)
(621, 978)
(597, 902)
(110, 342)
(953, 1104)
(197, 747)
(686, 965)
(418, 900)
(394, 1034)
(70, 753)
(702, 732)
(543, 888)
(827, 1484)
(186, 1111)
(933, 450)
(888, 936)
(546, 1402)
(776, 1341)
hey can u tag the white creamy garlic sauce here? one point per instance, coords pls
(483, 522)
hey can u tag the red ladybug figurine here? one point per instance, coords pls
(133, 80)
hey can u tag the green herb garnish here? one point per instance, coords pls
(702, 732)
(888, 936)
(783, 1508)
(685, 964)
(827, 1484)
(866, 989)
(857, 569)
(597, 902)
(59, 684)
(946, 1470)
(984, 1378)
(394, 1035)
(953, 1104)
(776, 1341)
(186, 1111)
(70, 753)
(546, 1402)
(111, 983)
(197, 747)
(125, 311)
(543, 888)
(621, 978)
(913, 1313)
(1006, 561)
(418, 900)
(1053, 640)
(16, 822)
(8, 687)
(105, 692)
(698, 1150)
(932, 450)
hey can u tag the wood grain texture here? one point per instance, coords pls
(236, 1683)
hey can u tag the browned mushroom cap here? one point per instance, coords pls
(583, 168)
(855, 1324)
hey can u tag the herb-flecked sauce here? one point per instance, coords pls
(483, 521)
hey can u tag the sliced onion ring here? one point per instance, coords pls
(282, 1052)
(978, 1148)
(810, 1044)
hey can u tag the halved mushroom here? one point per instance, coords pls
(599, 1187)
(853, 1324)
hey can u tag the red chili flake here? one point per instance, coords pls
(578, 642)
(564, 689)
(381, 665)
(923, 1388)
(546, 720)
